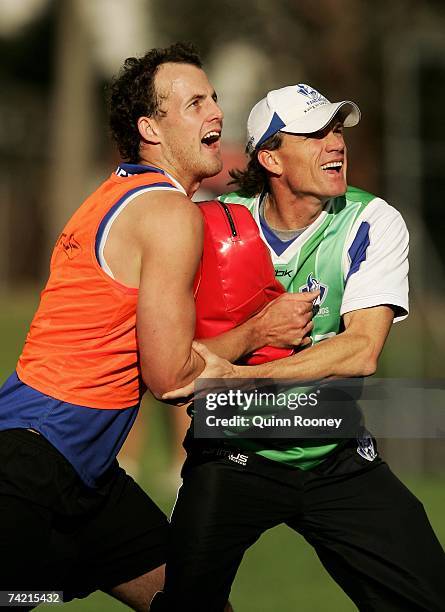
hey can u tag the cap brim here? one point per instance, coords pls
(320, 117)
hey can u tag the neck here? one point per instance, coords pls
(189, 184)
(291, 211)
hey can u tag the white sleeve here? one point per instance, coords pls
(375, 261)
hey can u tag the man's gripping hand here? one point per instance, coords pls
(286, 321)
(215, 367)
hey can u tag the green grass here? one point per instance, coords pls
(15, 314)
(281, 572)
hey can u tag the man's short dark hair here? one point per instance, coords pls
(253, 179)
(132, 94)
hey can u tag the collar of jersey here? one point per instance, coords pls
(278, 245)
(132, 169)
(295, 244)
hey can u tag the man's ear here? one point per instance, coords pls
(148, 130)
(270, 160)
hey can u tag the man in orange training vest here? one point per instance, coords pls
(117, 315)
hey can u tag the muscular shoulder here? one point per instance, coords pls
(165, 206)
(158, 215)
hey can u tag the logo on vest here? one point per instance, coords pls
(281, 273)
(69, 245)
(312, 284)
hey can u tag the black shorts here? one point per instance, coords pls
(58, 534)
(370, 532)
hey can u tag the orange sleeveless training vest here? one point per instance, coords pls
(81, 347)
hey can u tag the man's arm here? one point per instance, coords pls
(284, 322)
(352, 353)
(170, 236)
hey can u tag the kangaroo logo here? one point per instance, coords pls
(312, 94)
(365, 447)
(312, 284)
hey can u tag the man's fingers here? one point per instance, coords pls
(302, 339)
(202, 350)
(181, 392)
(307, 328)
(305, 296)
(306, 307)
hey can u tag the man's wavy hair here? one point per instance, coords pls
(254, 179)
(132, 94)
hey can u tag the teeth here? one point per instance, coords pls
(211, 135)
(336, 164)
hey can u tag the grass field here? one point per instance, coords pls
(280, 573)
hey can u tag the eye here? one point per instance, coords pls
(196, 103)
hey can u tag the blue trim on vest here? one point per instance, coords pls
(119, 203)
(131, 169)
(88, 438)
(358, 248)
(278, 245)
(274, 126)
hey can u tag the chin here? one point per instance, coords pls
(212, 168)
(338, 190)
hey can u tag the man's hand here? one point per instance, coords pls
(215, 367)
(286, 321)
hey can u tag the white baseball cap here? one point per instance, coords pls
(296, 109)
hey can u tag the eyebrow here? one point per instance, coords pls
(214, 97)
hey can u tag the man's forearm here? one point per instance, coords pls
(343, 356)
(236, 342)
(354, 352)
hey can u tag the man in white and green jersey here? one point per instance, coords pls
(371, 534)
(335, 256)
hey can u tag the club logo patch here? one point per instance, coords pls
(313, 95)
(366, 448)
(69, 245)
(312, 284)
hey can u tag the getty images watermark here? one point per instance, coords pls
(253, 401)
(260, 408)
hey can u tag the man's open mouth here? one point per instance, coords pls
(211, 137)
(334, 166)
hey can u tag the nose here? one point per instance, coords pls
(217, 113)
(335, 141)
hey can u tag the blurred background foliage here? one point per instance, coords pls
(55, 60)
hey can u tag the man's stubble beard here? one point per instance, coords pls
(196, 165)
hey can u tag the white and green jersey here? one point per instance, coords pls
(355, 253)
